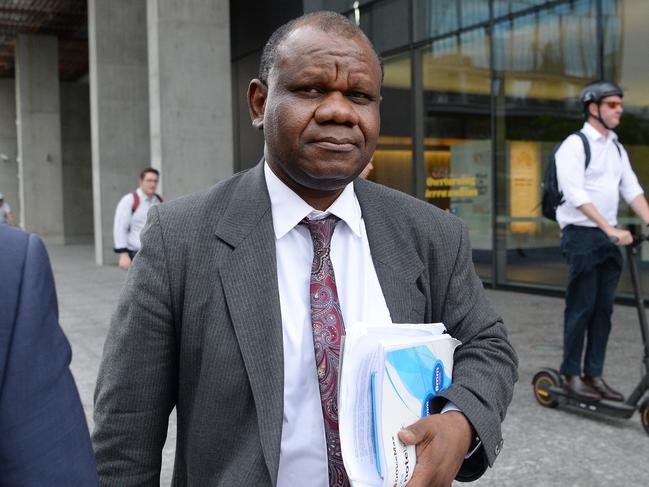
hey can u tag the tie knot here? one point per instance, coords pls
(321, 232)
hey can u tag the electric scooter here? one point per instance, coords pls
(548, 385)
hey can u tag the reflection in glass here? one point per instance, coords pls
(507, 7)
(433, 18)
(393, 155)
(542, 61)
(457, 143)
(549, 55)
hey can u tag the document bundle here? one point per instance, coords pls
(388, 376)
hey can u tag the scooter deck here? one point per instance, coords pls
(609, 408)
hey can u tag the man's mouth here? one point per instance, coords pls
(335, 144)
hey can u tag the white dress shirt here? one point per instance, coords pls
(608, 175)
(303, 454)
(128, 224)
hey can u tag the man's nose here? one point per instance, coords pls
(337, 108)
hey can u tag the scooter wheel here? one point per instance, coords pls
(542, 381)
(644, 415)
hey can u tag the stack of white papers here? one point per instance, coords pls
(388, 375)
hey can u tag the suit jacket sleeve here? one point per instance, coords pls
(136, 386)
(44, 438)
(485, 365)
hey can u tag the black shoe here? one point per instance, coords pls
(603, 388)
(576, 387)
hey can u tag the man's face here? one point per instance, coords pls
(320, 112)
(149, 183)
(610, 109)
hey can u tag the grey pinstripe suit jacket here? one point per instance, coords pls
(198, 327)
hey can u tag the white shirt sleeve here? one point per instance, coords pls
(571, 162)
(122, 222)
(629, 186)
(476, 443)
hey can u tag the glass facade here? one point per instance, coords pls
(476, 95)
(457, 133)
(393, 160)
(542, 59)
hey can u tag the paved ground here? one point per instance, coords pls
(543, 447)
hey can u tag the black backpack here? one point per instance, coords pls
(551, 197)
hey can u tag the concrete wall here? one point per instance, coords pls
(39, 136)
(119, 102)
(8, 145)
(190, 89)
(77, 163)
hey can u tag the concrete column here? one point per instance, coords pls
(77, 163)
(39, 136)
(8, 146)
(190, 91)
(119, 109)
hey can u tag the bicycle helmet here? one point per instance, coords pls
(595, 92)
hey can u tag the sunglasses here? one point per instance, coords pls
(613, 104)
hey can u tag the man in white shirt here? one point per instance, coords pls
(221, 314)
(130, 216)
(588, 221)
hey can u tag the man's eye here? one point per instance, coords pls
(360, 96)
(311, 90)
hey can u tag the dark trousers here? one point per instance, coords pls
(132, 254)
(595, 268)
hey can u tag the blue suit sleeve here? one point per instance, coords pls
(44, 437)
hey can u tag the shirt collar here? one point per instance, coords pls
(288, 209)
(595, 134)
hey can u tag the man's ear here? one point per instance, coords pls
(257, 93)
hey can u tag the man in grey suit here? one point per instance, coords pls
(219, 316)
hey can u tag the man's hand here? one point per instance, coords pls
(617, 236)
(442, 442)
(622, 237)
(124, 261)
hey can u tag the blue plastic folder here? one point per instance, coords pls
(389, 376)
(413, 376)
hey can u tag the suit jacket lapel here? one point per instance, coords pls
(249, 279)
(397, 263)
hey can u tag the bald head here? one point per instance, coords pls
(329, 22)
